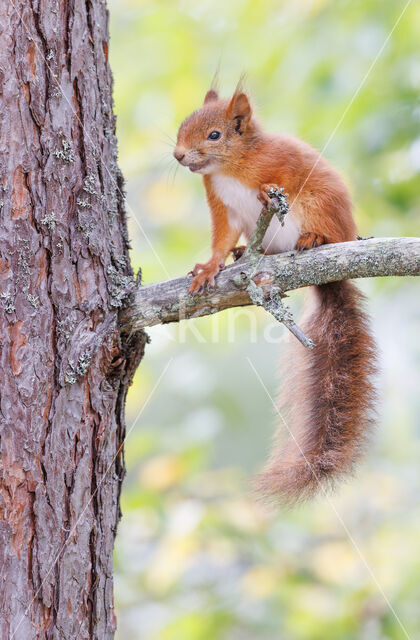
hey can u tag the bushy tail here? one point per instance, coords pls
(327, 404)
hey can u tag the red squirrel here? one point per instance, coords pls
(331, 395)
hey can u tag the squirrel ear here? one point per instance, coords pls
(239, 110)
(211, 96)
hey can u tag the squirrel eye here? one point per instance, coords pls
(214, 135)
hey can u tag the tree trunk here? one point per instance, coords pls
(64, 277)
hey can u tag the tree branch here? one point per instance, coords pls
(169, 301)
(277, 205)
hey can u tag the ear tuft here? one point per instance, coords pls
(239, 109)
(211, 96)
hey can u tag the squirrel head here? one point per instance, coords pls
(212, 138)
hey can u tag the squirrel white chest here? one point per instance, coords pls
(244, 208)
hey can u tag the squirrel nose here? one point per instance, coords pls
(179, 154)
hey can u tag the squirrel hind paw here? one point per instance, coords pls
(309, 241)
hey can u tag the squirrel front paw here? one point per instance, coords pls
(266, 192)
(203, 273)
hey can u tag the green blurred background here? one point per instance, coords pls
(197, 557)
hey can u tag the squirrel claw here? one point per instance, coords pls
(195, 290)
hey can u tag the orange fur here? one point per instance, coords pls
(224, 238)
(334, 395)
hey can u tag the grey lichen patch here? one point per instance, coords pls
(65, 328)
(83, 363)
(256, 294)
(33, 300)
(66, 152)
(85, 225)
(50, 55)
(80, 369)
(83, 203)
(49, 220)
(120, 286)
(7, 302)
(271, 301)
(89, 184)
(70, 375)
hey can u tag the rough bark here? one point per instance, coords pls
(169, 301)
(64, 272)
